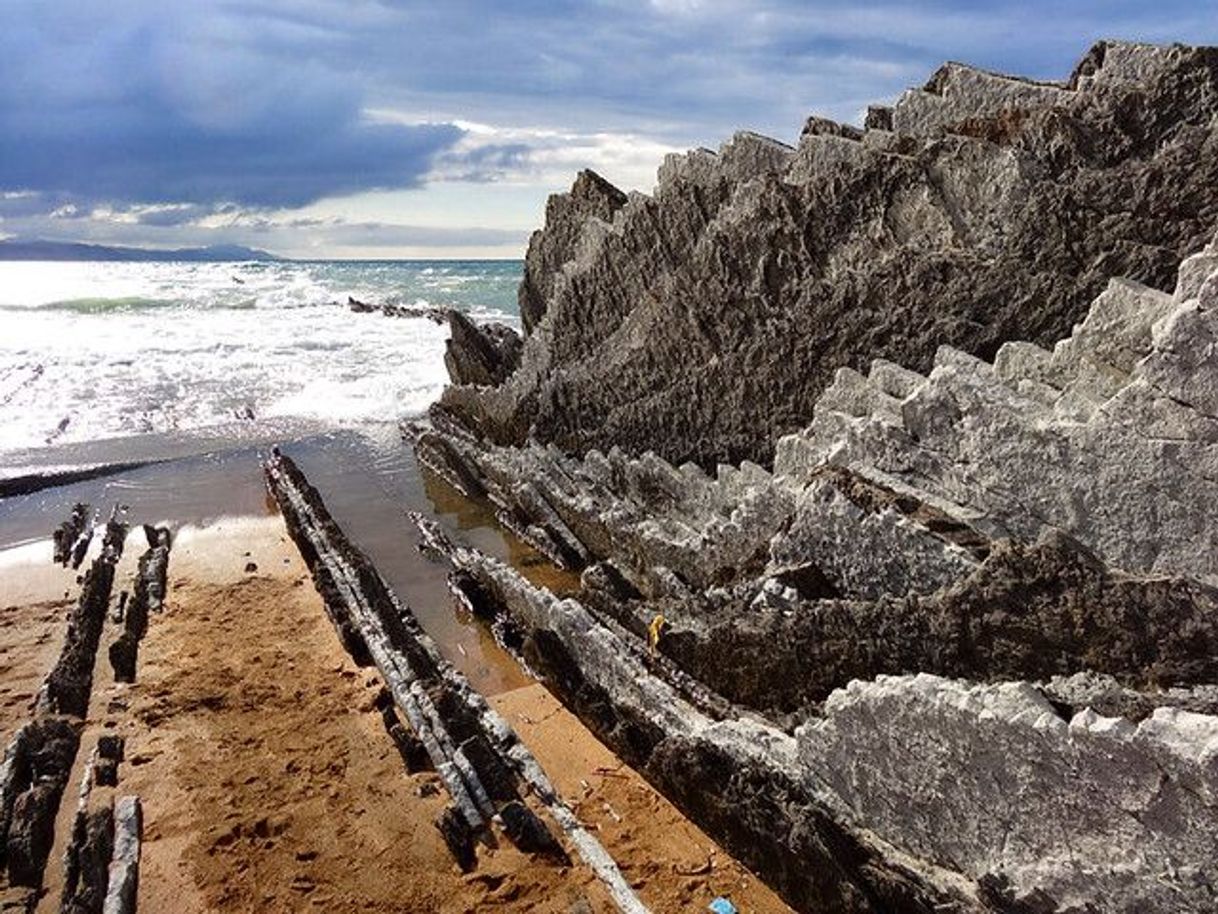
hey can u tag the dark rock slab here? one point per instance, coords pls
(529, 833)
(36, 769)
(69, 532)
(1030, 611)
(70, 683)
(458, 837)
(88, 863)
(31, 833)
(480, 354)
(148, 596)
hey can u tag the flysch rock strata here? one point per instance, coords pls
(1109, 437)
(123, 879)
(148, 596)
(703, 321)
(1089, 814)
(735, 775)
(482, 763)
(902, 442)
(893, 498)
(907, 793)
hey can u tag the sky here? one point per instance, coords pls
(353, 128)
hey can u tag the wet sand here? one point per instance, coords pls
(370, 480)
(669, 861)
(267, 778)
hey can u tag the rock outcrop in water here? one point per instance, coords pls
(480, 355)
(927, 619)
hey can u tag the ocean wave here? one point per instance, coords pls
(100, 305)
(121, 350)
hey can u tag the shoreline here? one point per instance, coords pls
(208, 661)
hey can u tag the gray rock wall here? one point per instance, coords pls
(1110, 437)
(908, 435)
(702, 322)
(1089, 814)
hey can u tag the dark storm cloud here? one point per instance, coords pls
(142, 102)
(267, 104)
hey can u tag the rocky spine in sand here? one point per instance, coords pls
(489, 774)
(888, 464)
(101, 853)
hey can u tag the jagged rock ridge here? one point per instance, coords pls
(702, 322)
(882, 542)
(968, 612)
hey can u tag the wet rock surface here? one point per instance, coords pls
(434, 314)
(484, 355)
(888, 462)
(148, 597)
(68, 533)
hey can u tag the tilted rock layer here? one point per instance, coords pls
(903, 443)
(702, 322)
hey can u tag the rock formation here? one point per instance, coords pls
(703, 321)
(888, 462)
(480, 355)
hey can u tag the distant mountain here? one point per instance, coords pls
(15, 249)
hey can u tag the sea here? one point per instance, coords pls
(167, 383)
(106, 351)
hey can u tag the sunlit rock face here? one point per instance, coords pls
(702, 322)
(906, 436)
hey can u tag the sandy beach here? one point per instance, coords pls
(267, 778)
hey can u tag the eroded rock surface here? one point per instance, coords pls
(703, 321)
(483, 355)
(992, 780)
(888, 462)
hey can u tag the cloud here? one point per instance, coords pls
(690, 72)
(281, 232)
(179, 105)
(543, 155)
(383, 235)
(174, 119)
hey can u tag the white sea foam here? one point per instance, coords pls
(121, 349)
